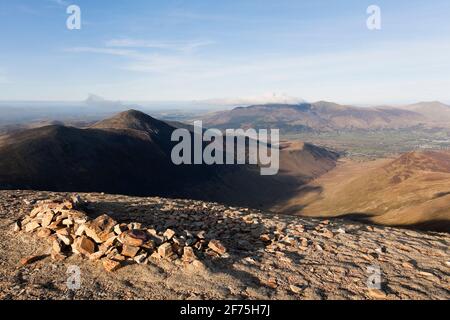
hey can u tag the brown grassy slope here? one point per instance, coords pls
(413, 190)
(435, 111)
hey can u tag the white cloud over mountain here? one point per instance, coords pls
(267, 98)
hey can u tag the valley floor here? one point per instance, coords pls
(306, 258)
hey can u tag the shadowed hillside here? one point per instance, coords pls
(131, 154)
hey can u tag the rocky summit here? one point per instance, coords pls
(70, 231)
(157, 248)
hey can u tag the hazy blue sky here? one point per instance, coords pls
(199, 49)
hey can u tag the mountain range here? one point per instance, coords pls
(130, 153)
(328, 116)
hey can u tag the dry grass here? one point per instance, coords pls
(413, 190)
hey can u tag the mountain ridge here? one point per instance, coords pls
(320, 116)
(130, 153)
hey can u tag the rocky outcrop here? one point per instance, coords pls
(70, 231)
(244, 253)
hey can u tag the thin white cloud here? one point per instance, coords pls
(177, 54)
(410, 57)
(377, 72)
(60, 2)
(108, 51)
(140, 53)
(182, 46)
(270, 97)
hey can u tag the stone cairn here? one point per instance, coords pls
(71, 231)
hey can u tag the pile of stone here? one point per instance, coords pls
(71, 231)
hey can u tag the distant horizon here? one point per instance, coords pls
(225, 102)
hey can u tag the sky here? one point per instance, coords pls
(183, 50)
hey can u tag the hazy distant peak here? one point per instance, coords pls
(329, 105)
(433, 110)
(97, 101)
(94, 98)
(429, 104)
